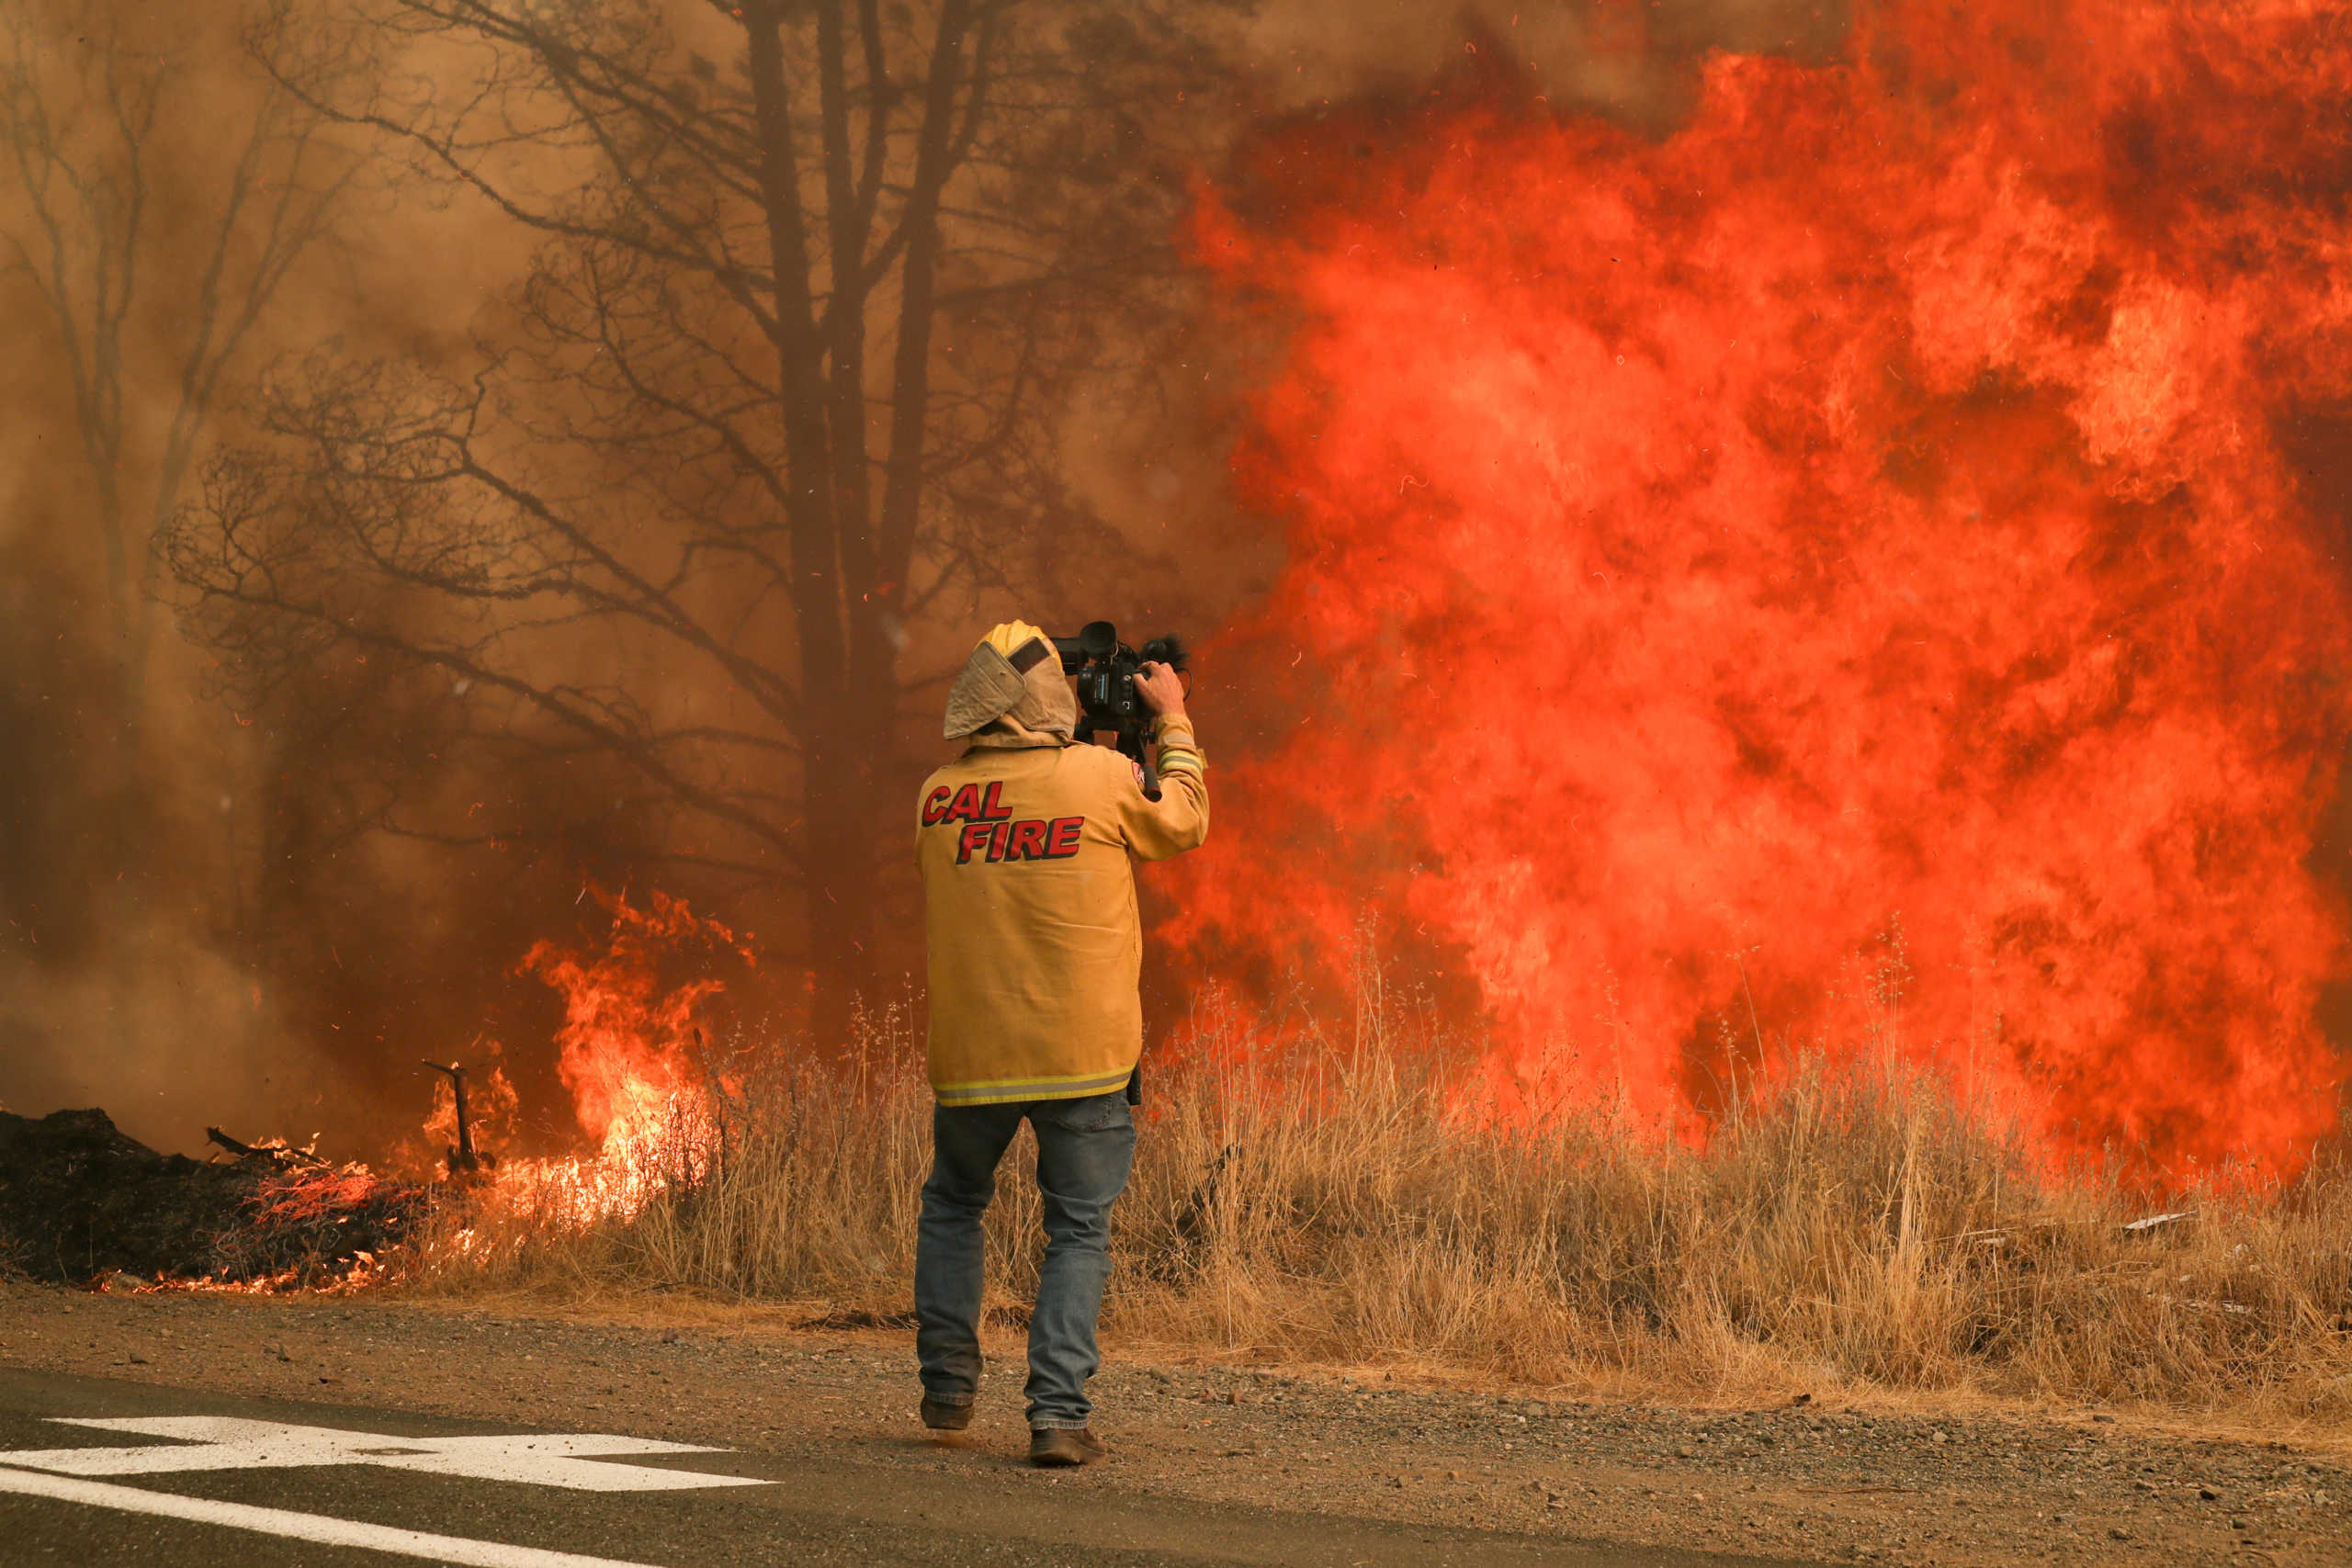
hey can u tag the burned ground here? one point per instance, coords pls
(80, 1201)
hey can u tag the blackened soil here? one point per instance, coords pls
(79, 1198)
(80, 1201)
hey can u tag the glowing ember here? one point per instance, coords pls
(1865, 509)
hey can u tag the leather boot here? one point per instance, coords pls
(1057, 1447)
(945, 1417)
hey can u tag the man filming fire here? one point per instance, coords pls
(1026, 844)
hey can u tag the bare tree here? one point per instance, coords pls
(791, 372)
(87, 112)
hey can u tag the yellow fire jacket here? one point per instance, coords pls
(1029, 905)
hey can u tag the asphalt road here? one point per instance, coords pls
(99, 1472)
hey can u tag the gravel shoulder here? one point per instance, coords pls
(1823, 1480)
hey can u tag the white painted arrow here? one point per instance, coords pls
(219, 1442)
(316, 1528)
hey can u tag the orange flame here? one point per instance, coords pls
(493, 1107)
(1871, 509)
(633, 1012)
(634, 1016)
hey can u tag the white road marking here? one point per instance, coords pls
(218, 1442)
(317, 1528)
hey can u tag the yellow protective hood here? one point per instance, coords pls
(1012, 692)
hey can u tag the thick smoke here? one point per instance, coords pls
(259, 902)
(1634, 62)
(144, 967)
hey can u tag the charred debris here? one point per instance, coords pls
(83, 1203)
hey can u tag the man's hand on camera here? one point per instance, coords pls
(1163, 690)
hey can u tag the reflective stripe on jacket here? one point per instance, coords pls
(1029, 908)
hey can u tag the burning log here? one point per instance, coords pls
(242, 1151)
(463, 1159)
(274, 1152)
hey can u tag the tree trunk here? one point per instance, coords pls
(837, 837)
(841, 895)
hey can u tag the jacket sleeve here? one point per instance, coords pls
(1178, 819)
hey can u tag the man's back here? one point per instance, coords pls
(1030, 910)
(1024, 843)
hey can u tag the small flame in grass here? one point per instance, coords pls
(638, 1012)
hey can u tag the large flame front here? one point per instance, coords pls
(1872, 507)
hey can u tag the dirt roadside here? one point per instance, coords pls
(1828, 1479)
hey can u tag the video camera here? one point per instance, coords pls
(1106, 670)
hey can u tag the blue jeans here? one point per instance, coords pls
(1085, 1149)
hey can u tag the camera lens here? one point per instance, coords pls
(1098, 639)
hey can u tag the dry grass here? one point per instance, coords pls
(1849, 1229)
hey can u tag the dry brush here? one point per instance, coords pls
(1346, 1203)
